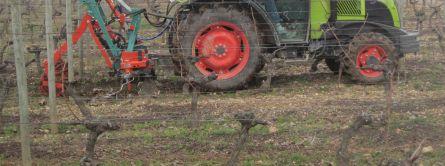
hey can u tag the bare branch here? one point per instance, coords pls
(415, 156)
(248, 121)
(342, 153)
(79, 102)
(96, 126)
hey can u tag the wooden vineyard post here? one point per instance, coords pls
(401, 8)
(194, 107)
(87, 50)
(69, 38)
(21, 81)
(51, 66)
(81, 43)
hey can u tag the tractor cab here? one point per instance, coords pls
(290, 19)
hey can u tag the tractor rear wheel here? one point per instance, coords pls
(221, 41)
(369, 49)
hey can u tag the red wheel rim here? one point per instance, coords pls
(223, 49)
(372, 54)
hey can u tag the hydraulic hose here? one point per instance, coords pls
(165, 17)
(165, 23)
(159, 34)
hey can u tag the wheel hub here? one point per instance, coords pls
(372, 60)
(220, 50)
(371, 55)
(223, 49)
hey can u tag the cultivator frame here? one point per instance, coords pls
(122, 54)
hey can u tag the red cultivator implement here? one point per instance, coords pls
(119, 51)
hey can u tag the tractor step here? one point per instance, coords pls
(292, 54)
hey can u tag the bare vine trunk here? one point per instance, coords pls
(96, 126)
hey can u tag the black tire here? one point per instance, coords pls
(360, 43)
(333, 64)
(190, 28)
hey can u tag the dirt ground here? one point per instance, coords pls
(309, 113)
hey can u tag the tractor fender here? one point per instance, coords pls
(404, 41)
(264, 24)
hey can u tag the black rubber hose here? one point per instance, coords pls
(165, 17)
(159, 34)
(159, 23)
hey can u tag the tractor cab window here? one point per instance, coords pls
(290, 18)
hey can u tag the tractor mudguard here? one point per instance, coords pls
(406, 42)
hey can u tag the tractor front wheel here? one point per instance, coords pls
(333, 64)
(367, 49)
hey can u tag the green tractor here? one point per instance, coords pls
(230, 38)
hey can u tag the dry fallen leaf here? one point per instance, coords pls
(427, 149)
(42, 102)
(272, 129)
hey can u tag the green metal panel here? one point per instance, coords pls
(351, 10)
(348, 10)
(320, 13)
(355, 10)
(133, 34)
(392, 7)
